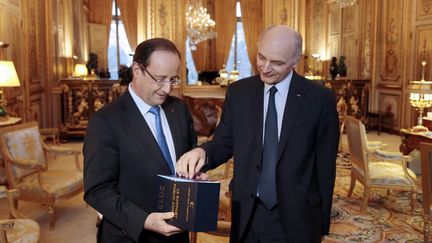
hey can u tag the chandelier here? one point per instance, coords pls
(199, 25)
(346, 3)
(420, 98)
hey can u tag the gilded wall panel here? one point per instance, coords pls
(34, 41)
(279, 12)
(423, 9)
(334, 44)
(366, 42)
(391, 64)
(334, 20)
(390, 102)
(349, 50)
(349, 19)
(423, 52)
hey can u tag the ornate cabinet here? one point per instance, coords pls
(80, 99)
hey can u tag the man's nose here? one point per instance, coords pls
(267, 67)
(167, 87)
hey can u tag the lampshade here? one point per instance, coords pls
(80, 70)
(8, 74)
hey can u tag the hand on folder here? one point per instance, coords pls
(157, 222)
(190, 163)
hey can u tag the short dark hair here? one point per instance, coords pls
(144, 50)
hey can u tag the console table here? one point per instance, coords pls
(352, 96)
(411, 140)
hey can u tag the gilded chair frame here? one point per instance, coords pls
(361, 156)
(34, 167)
(426, 169)
(31, 228)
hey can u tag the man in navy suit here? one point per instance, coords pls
(282, 130)
(131, 140)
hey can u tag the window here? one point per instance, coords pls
(238, 47)
(118, 45)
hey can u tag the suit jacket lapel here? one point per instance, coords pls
(257, 104)
(292, 108)
(141, 130)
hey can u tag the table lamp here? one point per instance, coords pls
(420, 98)
(80, 70)
(8, 78)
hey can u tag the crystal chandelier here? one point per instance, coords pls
(420, 98)
(346, 3)
(199, 25)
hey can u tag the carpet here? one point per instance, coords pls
(388, 217)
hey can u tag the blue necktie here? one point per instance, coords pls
(160, 137)
(267, 180)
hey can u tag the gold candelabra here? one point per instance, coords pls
(420, 98)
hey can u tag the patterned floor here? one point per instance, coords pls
(388, 218)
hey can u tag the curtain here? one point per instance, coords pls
(101, 13)
(253, 26)
(129, 15)
(225, 26)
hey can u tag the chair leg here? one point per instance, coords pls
(351, 188)
(365, 200)
(426, 226)
(51, 216)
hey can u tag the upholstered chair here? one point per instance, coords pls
(426, 169)
(18, 228)
(389, 171)
(27, 167)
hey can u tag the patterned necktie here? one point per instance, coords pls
(160, 137)
(267, 180)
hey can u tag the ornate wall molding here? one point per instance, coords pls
(424, 9)
(391, 61)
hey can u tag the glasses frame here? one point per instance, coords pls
(172, 81)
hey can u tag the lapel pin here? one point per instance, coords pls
(298, 95)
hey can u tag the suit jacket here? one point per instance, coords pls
(307, 149)
(121, 161)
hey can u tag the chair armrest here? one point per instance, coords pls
(63, 151)
(57, 150)
(29, 164)
(388, 155)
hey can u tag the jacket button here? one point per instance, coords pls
(258, 167)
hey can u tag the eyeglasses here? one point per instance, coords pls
(163, 80)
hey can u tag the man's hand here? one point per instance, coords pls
(190, 163)
(157, 222)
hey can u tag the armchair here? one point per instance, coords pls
(17, 229)
(27, 167)
(426, 169)
(389, 172)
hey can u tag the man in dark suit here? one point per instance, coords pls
(282, 130)
(130, 141)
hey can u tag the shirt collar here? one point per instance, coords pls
(282, 86)
(142, 106)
